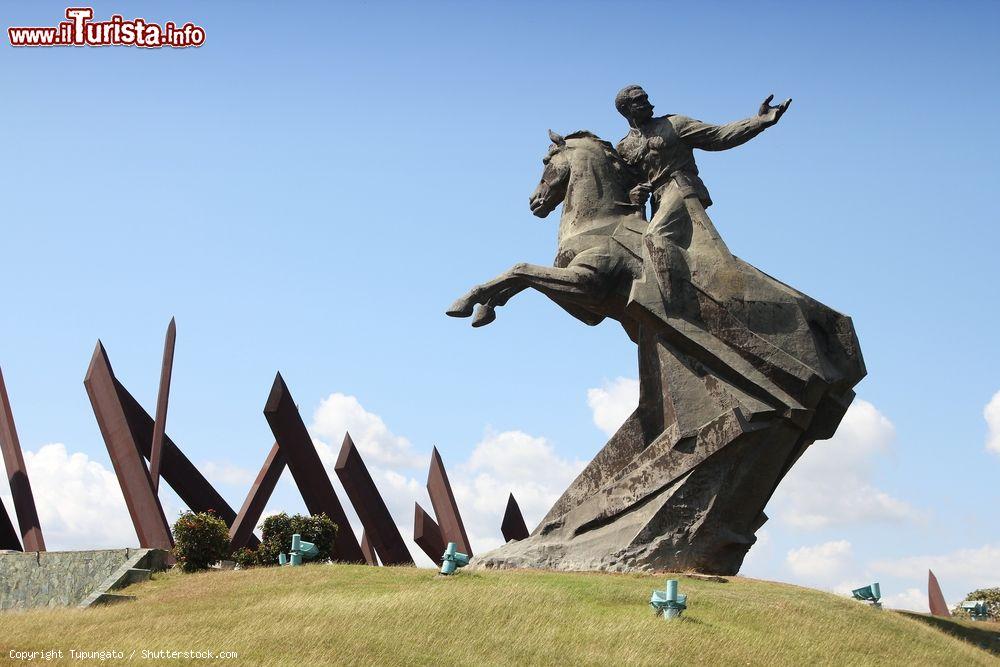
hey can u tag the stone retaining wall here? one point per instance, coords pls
(55, 578)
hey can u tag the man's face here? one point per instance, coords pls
(639, 106)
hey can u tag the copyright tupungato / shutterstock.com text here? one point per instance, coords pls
(112, 654)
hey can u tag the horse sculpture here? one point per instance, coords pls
(738, 374)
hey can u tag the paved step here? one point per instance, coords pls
(133, 575)
(139, 567)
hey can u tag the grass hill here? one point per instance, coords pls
(345, 614)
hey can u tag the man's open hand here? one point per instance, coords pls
(773, 114)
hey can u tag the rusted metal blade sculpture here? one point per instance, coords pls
(8, 534)
(162, 401)
(427, 534)
(445, 507)
(307, 469)
(241, 531)
(371, 509)
(143, 505)
(17, 475)
(513, 526)
(368, 550)
(183, 477)
(935, 598)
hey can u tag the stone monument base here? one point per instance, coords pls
(71, 578)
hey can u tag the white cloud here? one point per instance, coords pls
(969, 568)
(515, 456)
(504, 463)
(613, 402)
(831, 484)
(226, 473)
(79, 502)
(760, 556)
(384, 454)
(912, 599)
(991, 413)
(822, 562)
(339, 414)
(511, 461)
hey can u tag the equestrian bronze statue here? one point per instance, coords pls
(738, 372)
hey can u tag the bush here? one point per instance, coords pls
(200, 539)
(277, 538)
(245, 558)
(992, 598)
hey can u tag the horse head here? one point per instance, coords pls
(591, 181)
(581, 168)
(552, 187)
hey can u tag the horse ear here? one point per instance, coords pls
(557, 139)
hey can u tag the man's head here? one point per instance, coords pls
(633, 103)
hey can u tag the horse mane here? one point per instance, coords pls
(606, 145)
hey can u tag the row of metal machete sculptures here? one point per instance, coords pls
(738, 372)
(133, 437)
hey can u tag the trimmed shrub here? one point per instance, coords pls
(245, 558)
(200, 539)
(277, 533)
(991, 597)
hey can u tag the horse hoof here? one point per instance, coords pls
(484, 315)
(461, 308)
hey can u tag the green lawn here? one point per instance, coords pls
(357, 615)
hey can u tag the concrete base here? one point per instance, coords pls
(138, 568)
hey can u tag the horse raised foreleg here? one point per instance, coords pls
(486, 312)
(579, 283)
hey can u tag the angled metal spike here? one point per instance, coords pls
(427, 534)
(175, 468)
(368, 550)
(241, 532)
(307, 469)
(143, 505)
(371, 509)
(445, 507)
(17, 475)
(513, 526)
(162, 400)
(8, 534)
(935, 598)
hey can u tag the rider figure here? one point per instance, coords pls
(662, 151)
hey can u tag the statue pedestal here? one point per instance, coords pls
(683, 484)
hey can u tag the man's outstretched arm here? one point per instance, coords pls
(723, 137)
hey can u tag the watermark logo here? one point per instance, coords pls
(81, 30)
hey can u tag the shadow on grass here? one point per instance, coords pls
(685, 619)
(695, 621)
(986, 637)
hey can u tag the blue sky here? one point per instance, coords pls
(311, 189)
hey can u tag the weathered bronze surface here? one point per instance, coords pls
(935, 597)
(17, 476)
(8, 534)
(513, 526)
(133, 476)
(427, 534)
(241, 530)
(368, 550)
(739, 373)
(445, 507)
(379, 528)
(162, 401)
(291, 435)
(176, 469)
